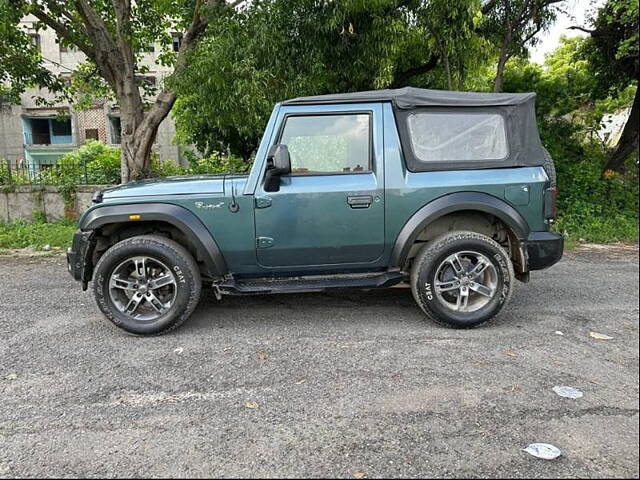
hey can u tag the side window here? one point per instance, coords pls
(464, 136)
(320, 144)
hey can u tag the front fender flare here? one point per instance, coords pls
(450, 203)
(181, 218)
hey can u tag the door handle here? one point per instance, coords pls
(360, 201)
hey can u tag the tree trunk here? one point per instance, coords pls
(497, 84)
(447, 69)
(138, 132)
(135, 154)
(502, 61)
(445, 61)
(628, 142)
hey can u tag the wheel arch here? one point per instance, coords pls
(452, 203)
(179, 218)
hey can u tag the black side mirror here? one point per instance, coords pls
(278, 163)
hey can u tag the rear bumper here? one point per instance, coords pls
(78, 257)
(544, 249)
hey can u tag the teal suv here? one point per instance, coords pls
(449, 192)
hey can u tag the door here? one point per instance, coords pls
(330, 209)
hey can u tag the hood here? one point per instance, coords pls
(184, 185)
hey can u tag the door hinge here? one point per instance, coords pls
(263, 202)
(264, 242)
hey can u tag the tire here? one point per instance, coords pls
(433, 272)
(549, 167)
(159, 301)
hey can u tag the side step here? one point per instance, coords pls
(309, 283)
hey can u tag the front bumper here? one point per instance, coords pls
(544, 249)
(79, 257)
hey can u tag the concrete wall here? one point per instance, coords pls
(24, 202)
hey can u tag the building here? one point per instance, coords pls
(34, 135)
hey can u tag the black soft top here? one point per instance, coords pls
(409, 98)
(517, 110)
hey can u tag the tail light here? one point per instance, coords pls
(550, 203)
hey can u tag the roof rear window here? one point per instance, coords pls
(440, 137)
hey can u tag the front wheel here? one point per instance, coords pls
(462, 279)
(147, 285)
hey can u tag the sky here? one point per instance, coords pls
(578, 12)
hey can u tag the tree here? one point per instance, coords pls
(513, 25)
(450, 25)
(114, 34)
(613, 52)
(278, 49)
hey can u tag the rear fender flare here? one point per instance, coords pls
(181, 218)
(450, 203)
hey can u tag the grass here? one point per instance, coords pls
(20, 234)
(615, 228)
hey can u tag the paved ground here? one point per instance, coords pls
(347, 384)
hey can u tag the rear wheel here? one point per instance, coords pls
(147, 285)
(462, 279)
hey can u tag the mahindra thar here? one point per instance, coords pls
(450, 192)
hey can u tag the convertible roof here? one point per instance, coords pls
(409, 97)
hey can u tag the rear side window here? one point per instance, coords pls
(328, 144)
(440, 137)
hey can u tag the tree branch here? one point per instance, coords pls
(107, 56)
(402, 77)
(62, 30)
(586, 30)
(123, 29)
(95, 26)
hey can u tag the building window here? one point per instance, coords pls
(91, 134)
(116, 129)
(47, 131)
(176, 39)
(35, 40)
(145, 80)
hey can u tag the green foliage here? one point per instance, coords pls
(278, 49)
(164, 168)
(450, 27)
(570, 113)
(589, 208)
(20, 234)
(217, 163)
(4, 172)
(212, 164)
(92, 163)
(103, 168)
(22, 66)
(613, 49)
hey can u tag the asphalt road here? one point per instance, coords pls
(346, 384)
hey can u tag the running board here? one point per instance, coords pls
(309, 283)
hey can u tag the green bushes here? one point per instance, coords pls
(214, 163)
(93, 163)
(590, 208)
(217, 163)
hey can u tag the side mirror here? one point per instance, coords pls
(278, 163)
